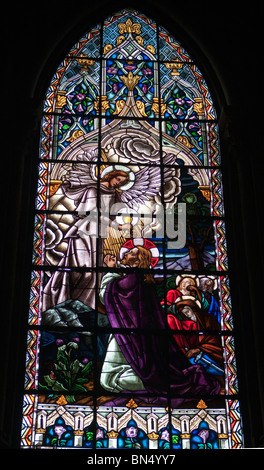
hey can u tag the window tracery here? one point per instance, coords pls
(130, 299)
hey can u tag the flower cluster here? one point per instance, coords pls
(69, 374)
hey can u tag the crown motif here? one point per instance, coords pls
(130, 80)
(129, 27)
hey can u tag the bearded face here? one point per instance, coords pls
(131, 258)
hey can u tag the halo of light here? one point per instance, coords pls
(125, 169)
(180, 277)
(126, 211)
(145, 243)
(183, 298)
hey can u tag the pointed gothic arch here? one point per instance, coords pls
(240, 306)
(128, 101)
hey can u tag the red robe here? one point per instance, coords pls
(133, 308)
(208, 343)
(171, 297)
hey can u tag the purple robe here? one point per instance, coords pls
(163, 368)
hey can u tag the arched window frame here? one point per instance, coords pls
(240, 172)
(218, 203)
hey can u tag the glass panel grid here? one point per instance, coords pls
(121, 294)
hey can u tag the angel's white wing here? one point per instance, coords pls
(83, 170)
(168, 171)
(147, 184)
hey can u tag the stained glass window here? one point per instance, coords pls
(130, 328)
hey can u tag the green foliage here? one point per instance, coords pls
(205, 446)
(69, 374)
(89, 435)
(132, 444)
(175, 439)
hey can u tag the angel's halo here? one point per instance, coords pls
(125, 169)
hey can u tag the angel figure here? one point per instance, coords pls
(84, 248)
(118, 183)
